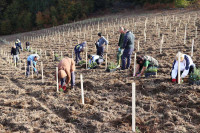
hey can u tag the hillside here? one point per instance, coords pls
(28, 105)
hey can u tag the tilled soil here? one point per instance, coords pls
(28, 105)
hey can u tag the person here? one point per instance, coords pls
(100, 45)
(66, 72)
(144, 63)
(33, 58)
(15, 52)
(18, 44)
(78, 49)
(120, 44)
(128, 48)
(95, 59)
(186, 67)
(27, 45)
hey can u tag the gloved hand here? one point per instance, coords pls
(139, 75)
(173, 80)
(119, 49)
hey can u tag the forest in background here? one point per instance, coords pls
(26, 15)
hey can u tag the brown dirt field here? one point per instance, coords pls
(28, 105)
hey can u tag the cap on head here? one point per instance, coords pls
(61, 74)
(181, 56)
(18, 40)
(99, 34)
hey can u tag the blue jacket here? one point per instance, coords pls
(32, 56)
(101, 41)
(128, 40)
(18, 44)
(79, 47)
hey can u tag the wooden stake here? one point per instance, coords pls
(192, 47)
(32, 68)
(42, 72)
(57, 79)
(138, 45)
(106, 61)
(25, 67)
(82, 91)
(179, 72)
(133, 107)
(134, 71)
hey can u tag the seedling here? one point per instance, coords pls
(151, 69)
(81, 62)
(196, 75)
(112, 66)
(93, 65)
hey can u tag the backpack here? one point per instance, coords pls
(151, 59)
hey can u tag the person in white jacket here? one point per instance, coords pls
(186, 67)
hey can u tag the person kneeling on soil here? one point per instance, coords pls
(66, 69)
(78, 49)
(32, 58)
(186, 67)
(15, 52)
(144, 63)
(94, 60)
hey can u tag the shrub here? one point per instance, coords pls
(196, 75)
(93, 65)
(182, 3)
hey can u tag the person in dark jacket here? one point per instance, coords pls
(122, 32)
(18, 44)
(128, 47)
(15, 52)
(100, 44)
(78, 49)
(27, 45)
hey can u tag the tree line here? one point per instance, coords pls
(25, 15)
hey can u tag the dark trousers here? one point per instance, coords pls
(78, 57)
(126, 55)
(28, 70)
(72, 80)
(100, 51)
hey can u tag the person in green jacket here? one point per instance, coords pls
(144, 63)
(122, 32)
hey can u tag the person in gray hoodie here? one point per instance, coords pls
(128, 47)
(100, 45)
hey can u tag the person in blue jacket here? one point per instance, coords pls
(100, 44)
(128, 48)
(78, 49)
(32, 58)
(18, 44)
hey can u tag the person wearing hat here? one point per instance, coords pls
(18, 44)
(100, 44)
(78, 49)
(143, 63)
(95, 58)
(15, 52)
(186, 67)
(122, 32)
(128, 48)
(66, 72)
(33, 58)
